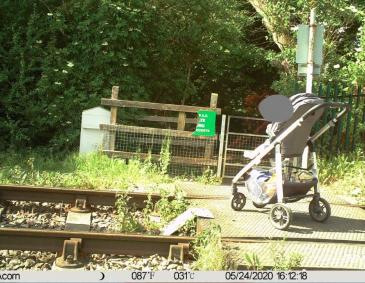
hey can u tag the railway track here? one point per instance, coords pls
(72, 244)
(70, 195)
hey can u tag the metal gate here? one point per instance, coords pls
(242, 133)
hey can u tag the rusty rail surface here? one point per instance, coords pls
(91, 242)
(69, 195)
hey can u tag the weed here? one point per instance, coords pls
(344, 174)
(209, 251)
(209, 177)
(252, 261)
(283, 260)
(125, 217)
(165, 155)
(169, 209)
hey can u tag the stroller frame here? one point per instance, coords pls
(280, 215)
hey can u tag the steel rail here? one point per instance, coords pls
(92, 242)
(117, 243)
(69, 195)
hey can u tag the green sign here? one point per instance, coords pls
(206, 124)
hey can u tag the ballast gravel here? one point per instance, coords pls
(35, 215)
(28, 260)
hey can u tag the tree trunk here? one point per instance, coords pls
(281, 39)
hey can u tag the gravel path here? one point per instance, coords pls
(27, 260)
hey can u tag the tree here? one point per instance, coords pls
(341, 19)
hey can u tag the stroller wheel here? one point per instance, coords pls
(258, 205)
(238, 201)
(280, 216)
(319, 210)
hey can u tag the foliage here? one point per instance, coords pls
(209, 251)
(60, 57)
(252, 261)
(284, 260)
(354, 71)
(165, 155)
(209, 178)
(126, 221)
(167, 209)
(170, 209)
(344, 174)
(341, 19)
(92, 171)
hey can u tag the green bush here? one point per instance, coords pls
(344, 174)
(60, 57)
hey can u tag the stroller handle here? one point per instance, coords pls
(345, 108)
(338, 105)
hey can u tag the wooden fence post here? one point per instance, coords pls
(113, 117)
(210, 144)
(181, 121)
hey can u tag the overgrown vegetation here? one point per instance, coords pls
(92, 171)
(209, 177)
(155, 215)
(126, 221)
(167, 209)
(344, 174)
(209, 251)
(282, 260)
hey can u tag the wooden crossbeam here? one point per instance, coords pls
(155, 106)
(153, 131)
(168, 119)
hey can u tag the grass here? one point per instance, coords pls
(98, 171)
(282, 259)
(210, 253)
(344, 174)
(92, 171)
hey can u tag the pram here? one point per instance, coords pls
(290, 141)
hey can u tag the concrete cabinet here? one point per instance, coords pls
(91, 138)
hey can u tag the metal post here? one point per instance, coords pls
(315, 169)
(221, 145)
(305, 157)
(310, 63)
(226, 146)
(279, 173)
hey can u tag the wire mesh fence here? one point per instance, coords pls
(243, 133)
(186, 155)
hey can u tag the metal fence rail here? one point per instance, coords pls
(349, 132)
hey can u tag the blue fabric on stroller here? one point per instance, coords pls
(255, 186)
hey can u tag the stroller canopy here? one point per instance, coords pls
(296, 141)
